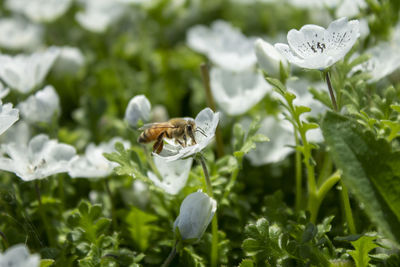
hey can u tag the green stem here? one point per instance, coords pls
(347, 209)
(61, 190)
(4, 239)
(326, 169)
(113, 214)
(298, 173)
(43, 215)
(170, 257)
(332, 95)
(214, 223)
(211, 103)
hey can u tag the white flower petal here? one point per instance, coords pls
(40, 10)
(280, 133)
(19, 256)
(138, 109)
(174, 174)
(196, 213)
(42, 106)
(99, 14)
(19, 34)
(93, 164)
(8, 116)
(235, 92)
(268, 58)
(70, 61)
(25, 72)
(225, 45)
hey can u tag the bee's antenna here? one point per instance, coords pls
(198, 129)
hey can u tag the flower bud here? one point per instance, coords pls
(195, 214)
(269, 58)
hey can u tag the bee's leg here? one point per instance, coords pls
(185, 139)
(158, 145)
(180, 142)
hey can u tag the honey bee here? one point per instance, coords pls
(179, 129)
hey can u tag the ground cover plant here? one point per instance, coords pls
(285, 151)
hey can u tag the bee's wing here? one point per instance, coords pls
(156, 125)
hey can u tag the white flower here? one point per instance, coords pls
(38, 159)
(385, 59)
(269, 59)
(93, 164)
(3, 91)
(19, 256)
(195, 214)
(350, 8)
(19, 34)
(70, 61)
(159, 113)
(25, 72)
(174, 174)
(236, 93)
(280, 133)
(207, 121)
(314, 47)
(19, 133)
(99, 14)
(8, 116)
(42, 106)
(40, 10)
(224, 45)
(138, 109)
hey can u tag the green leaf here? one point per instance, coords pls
(140, 227)
(362, 247)
(370, 169)
(123, 158)
(277, 84)
(246, 263)
(46, 262)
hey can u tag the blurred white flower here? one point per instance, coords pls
(41, 107)
(159, 113)
(98, 15)
(3, 91)
(306, 4)
(350, 8)
(70, 61)
(19, 256)
(207, 121)
(195, 214)
(268, 58)
(93, 164)
(174, 174)
(280, 133)
(314, 47)
(224, 45)
(138, 109)
(38, 159)
(25, 72)
(385, 59)
(8, 116)
(237, 92)
(19, 133)
(19, 34)
(40, 10)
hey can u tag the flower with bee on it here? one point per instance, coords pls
(206, 123)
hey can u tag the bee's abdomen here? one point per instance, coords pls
(148, 135)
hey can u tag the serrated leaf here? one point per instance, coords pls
(370, 169)
(362, 247)
(277, 84)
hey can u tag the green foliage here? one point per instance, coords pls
(362, 247)
(370, 170)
